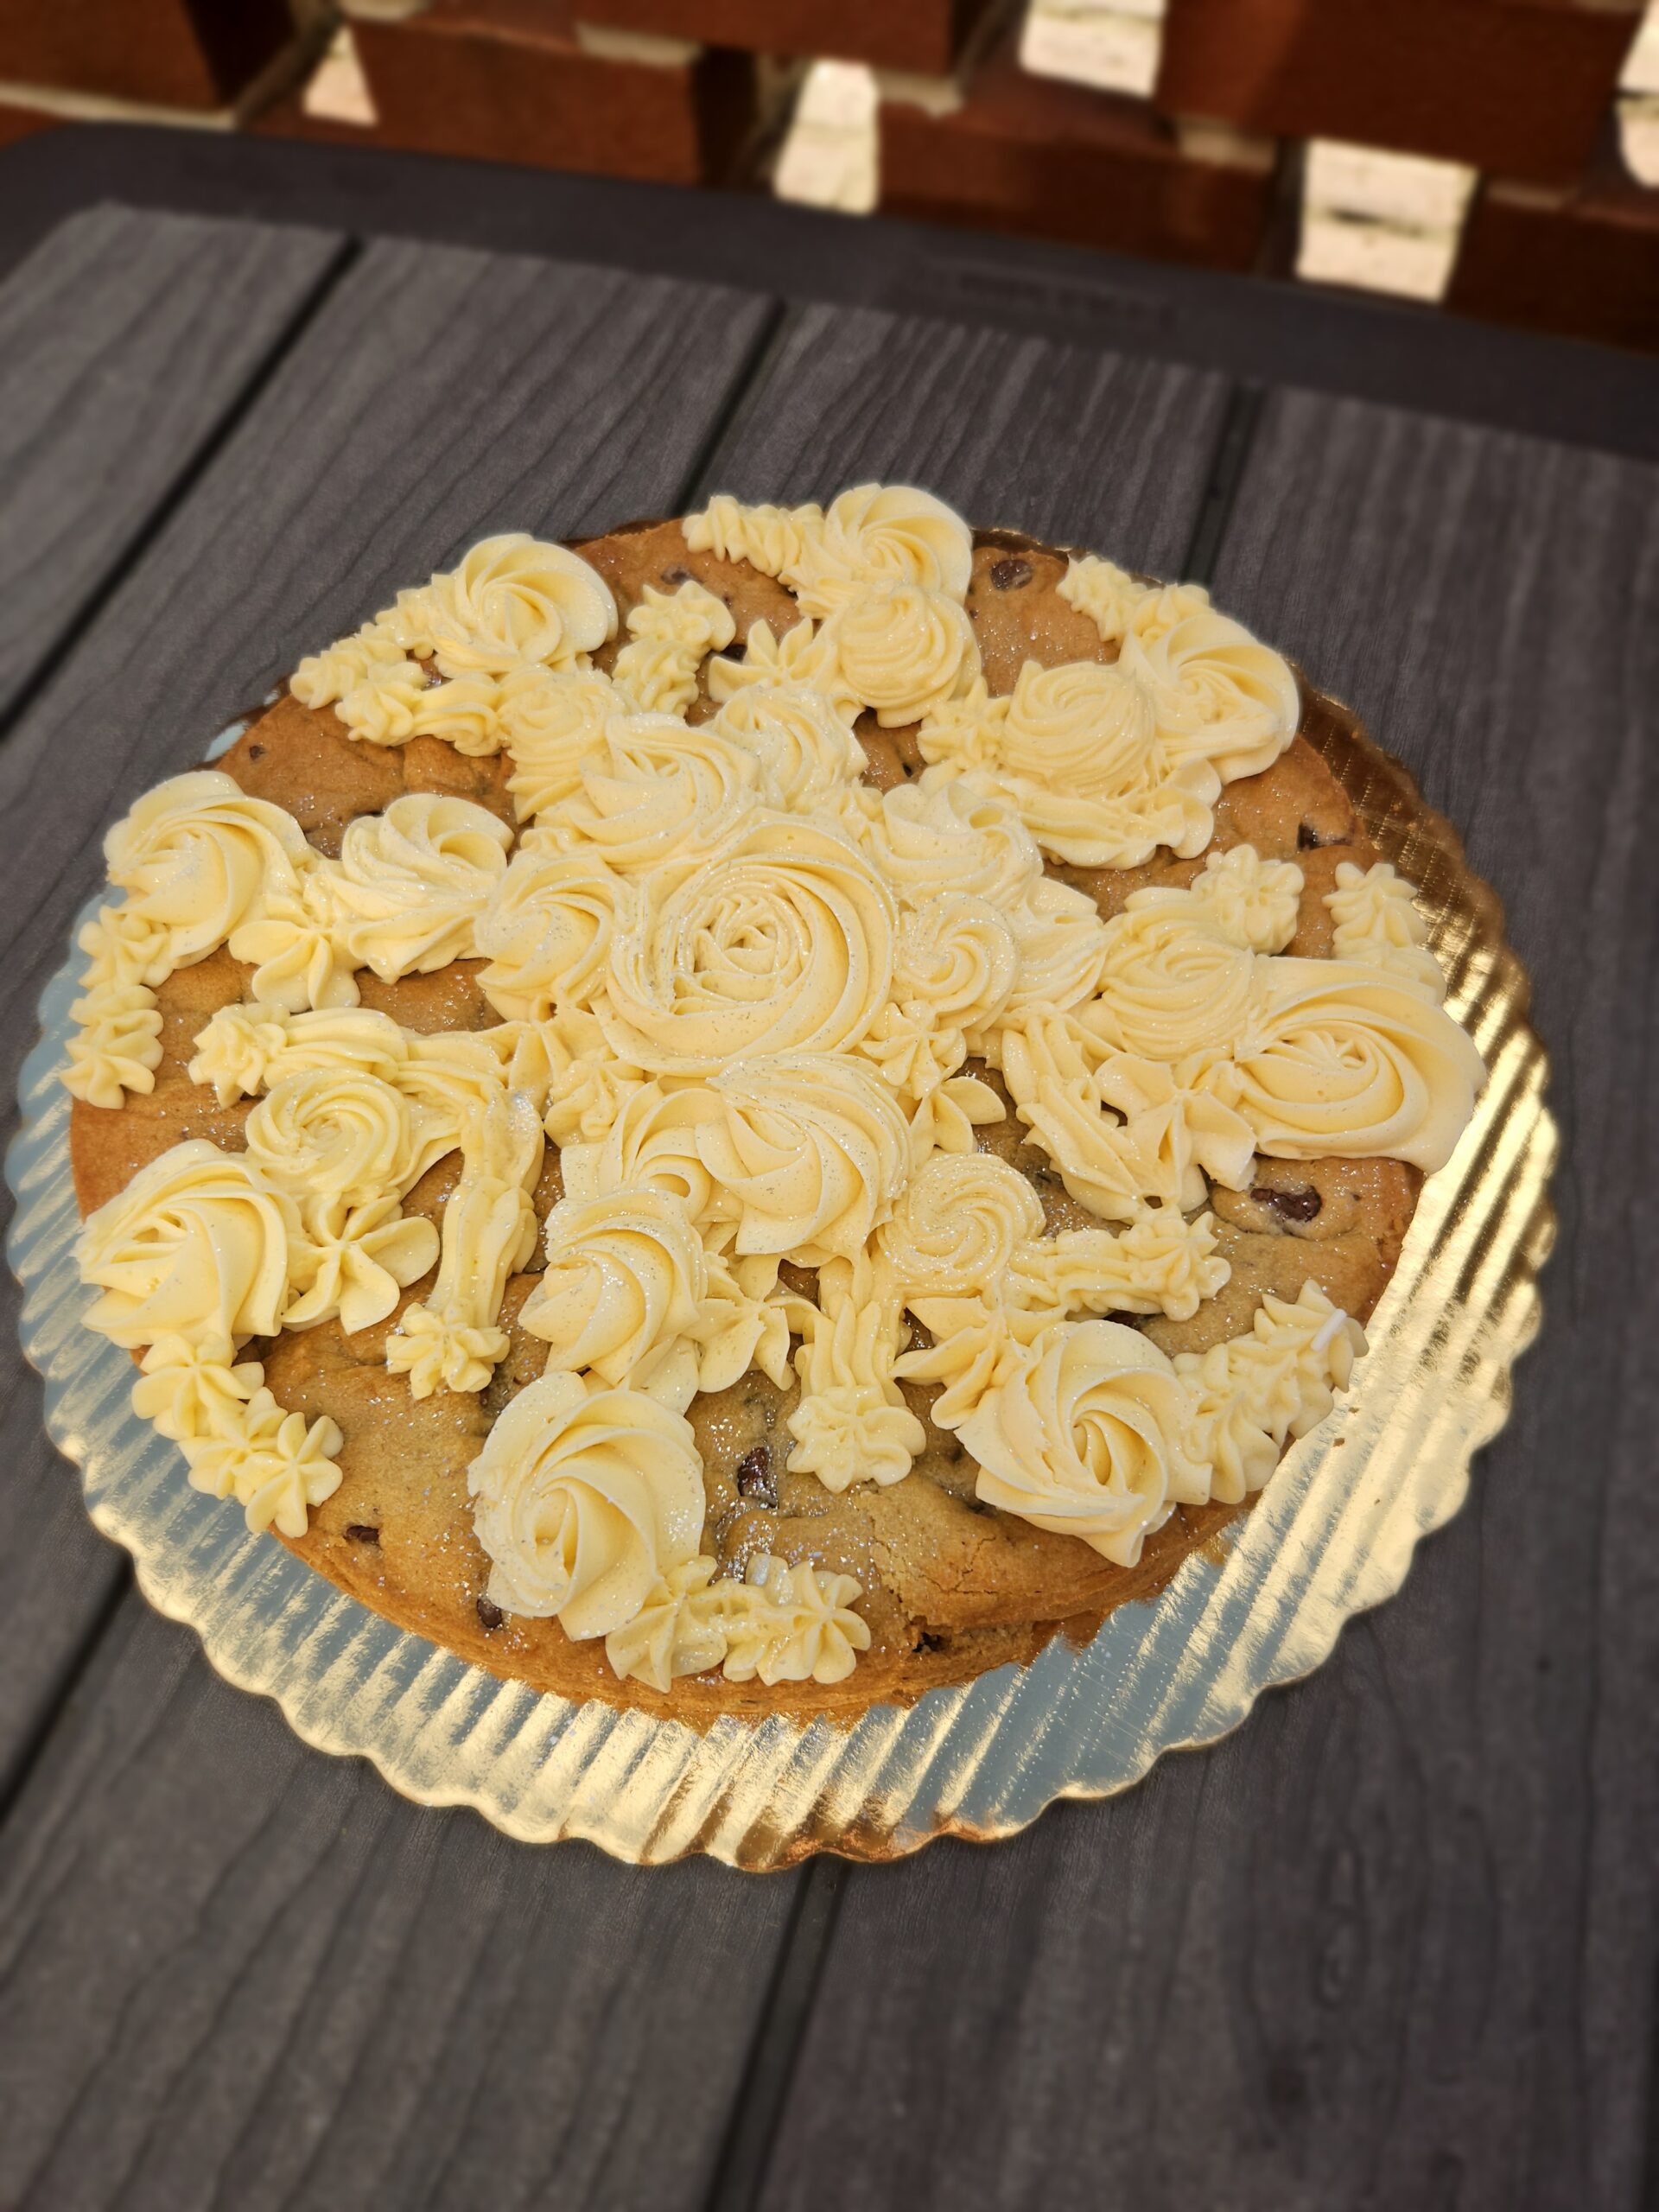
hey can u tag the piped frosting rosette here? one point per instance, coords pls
(757, 1004)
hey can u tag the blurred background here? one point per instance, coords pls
(1497, 158)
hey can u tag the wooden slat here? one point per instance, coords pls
(124, 339)
(237, 1974)
(437, 395)
(295, 1949)
(1072, 445)
(1391, 1944)
(228, 1964)
(125, 342)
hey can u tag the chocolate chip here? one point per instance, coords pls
(1009, 575)
(755, 1480)
(1289, 1205)
(1307, 838)
(677, 575)
(255, 753)
(359, 1532)
(489, 1616)
(931, 1642)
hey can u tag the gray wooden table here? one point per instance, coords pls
(1393, 1944)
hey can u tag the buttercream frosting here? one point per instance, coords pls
(512, 600)
(748, 996)
(1086, 1437)
(451, 1341)
(852, 1423)
(671, 634)
(776, 1624)
(1377, 922)
(583, 1501)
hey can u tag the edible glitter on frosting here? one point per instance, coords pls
(746, 995)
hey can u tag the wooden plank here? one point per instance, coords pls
(1073, 445)
(233, 1973)
(124, 339)
(437, 395)
(1391, 1944)
(232, 1970)
(262, 1933)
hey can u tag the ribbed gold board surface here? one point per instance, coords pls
(1332, 1535)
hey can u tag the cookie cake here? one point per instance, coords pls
(759, 1113)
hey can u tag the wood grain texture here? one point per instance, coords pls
(1073, 445)
(1391, 1946)
(123, 340)
(235, 1974)
(237, 1971)
(437, 395)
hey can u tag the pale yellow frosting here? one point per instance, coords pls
(548, 932)
(298, 953)
(510, 600)
(1077, 750)
(671, 634)
(803, 1628)
(804, 747)
(772, 539)
(625, 1283)
(1106, 593)
(1252, 901)
(877, 534)
(810, 1148)
(123, 949)
(353, 1261)
(782, 941)
(583, 1502)
(555, 721)
(744, 992)
(957, 1226)
(1120, 1129)
(368, 664)
(1086, 1438)
(116, 1045)
(587, 1084)
(1218, 695)
(1161, 1263)
(872, 534)
(272, 1462)
(332, 1134)
(781, 1624)
(194, 1388)
(852, 1424)
(938, 834)
(1351, 1060)
(807, 654)
(651, 792)
(651, 1145)
(451, 1340)
(196, 856)
(958, 959)
(1170, 986)
(903, 649)
(196, 1246)
(244, 1049)
(1377, 923)
(411, 883)
(678, 1630)
(1249, 1395)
